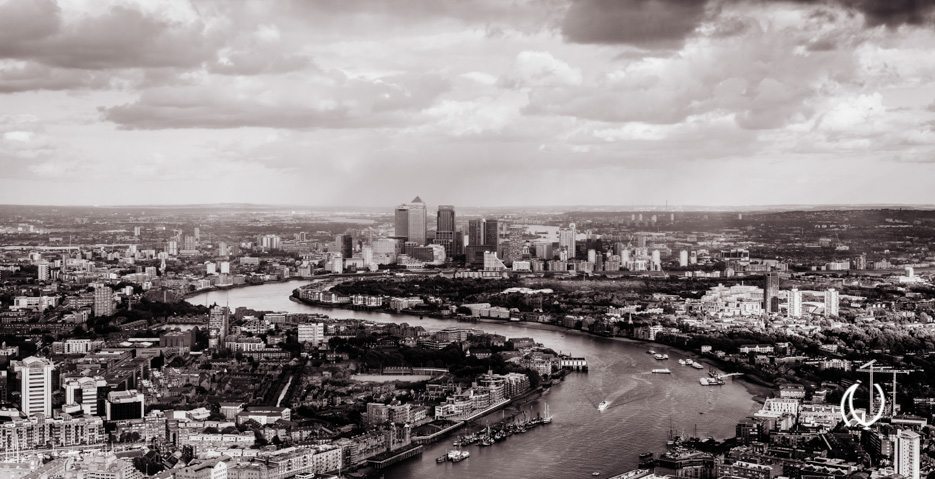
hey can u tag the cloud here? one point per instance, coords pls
(638, 22)
(301, 101)
(120, 37)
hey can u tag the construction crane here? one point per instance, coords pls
(869, 368)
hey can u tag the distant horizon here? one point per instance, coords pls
(571, 207)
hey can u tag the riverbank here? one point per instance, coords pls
(757, 386)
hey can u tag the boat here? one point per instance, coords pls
(595, 474)
(457, 455)
(697, 365)
(650, 352)
(603, 405)
(441, 459)
(682, 362)
(662, 371)
(660, 357)
(711, 382)
(546, 415)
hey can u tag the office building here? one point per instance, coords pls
(35, 376)
(85, 392)
(683, 258)
(172, 247)
(771, 293)
(103, 301)
(445, 229)
(906, 457)
(122, 405)
(410, 222)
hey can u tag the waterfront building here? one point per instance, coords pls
(566, 240)
(445, 229)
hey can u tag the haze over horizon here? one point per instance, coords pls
(722, 103)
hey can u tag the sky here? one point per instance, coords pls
(475, 103)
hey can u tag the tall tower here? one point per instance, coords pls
(906, 457)
(417, 226)
(771, 293)
(103, 301)
(795, 303)
(831, 302)
(35, 385)
(445, 228)
(401, 222)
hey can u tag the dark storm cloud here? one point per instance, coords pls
(668, 22)
(639, 22)
(888, 12)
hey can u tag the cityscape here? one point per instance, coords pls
(511, 239)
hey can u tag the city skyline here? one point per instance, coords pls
(585, 102)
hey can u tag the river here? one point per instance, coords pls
(580, 439)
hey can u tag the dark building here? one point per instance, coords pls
(491, 233)
(401, 223)
(347, 246)
(122, 405)
(445, 229)
(771, 293)
(476, 232)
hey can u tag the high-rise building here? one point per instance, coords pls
(566, 239)
(491, 232)
(136, 231)
(683, 258)
(771, 293)
(409, 221)
(103, 301)
(831, 302)
(225, 267)
(795, 303)
(197, 233)
(35, 375)
(222, 249)
(219, 320)
(172, 247)
(188, 243)
(476, 232)
(313, 333)
(401, 222)
(43, 271)
(906, 457)
(344, 244)
(445, 229)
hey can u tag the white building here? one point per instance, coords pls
(36, 385)
(795, 303)
(683, 258)
(83, 392)
(831, 302)
(906, 457)
(103, 301)
(312, 333)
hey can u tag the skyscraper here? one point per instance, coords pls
(683, 258)
(566, 239)
(491, 232)
(445, 229)
(401, 222)
(770, 293)
(409, 221)
(476, 232)
(906, 457)
(35, 385)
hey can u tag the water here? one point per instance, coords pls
(580, 439)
